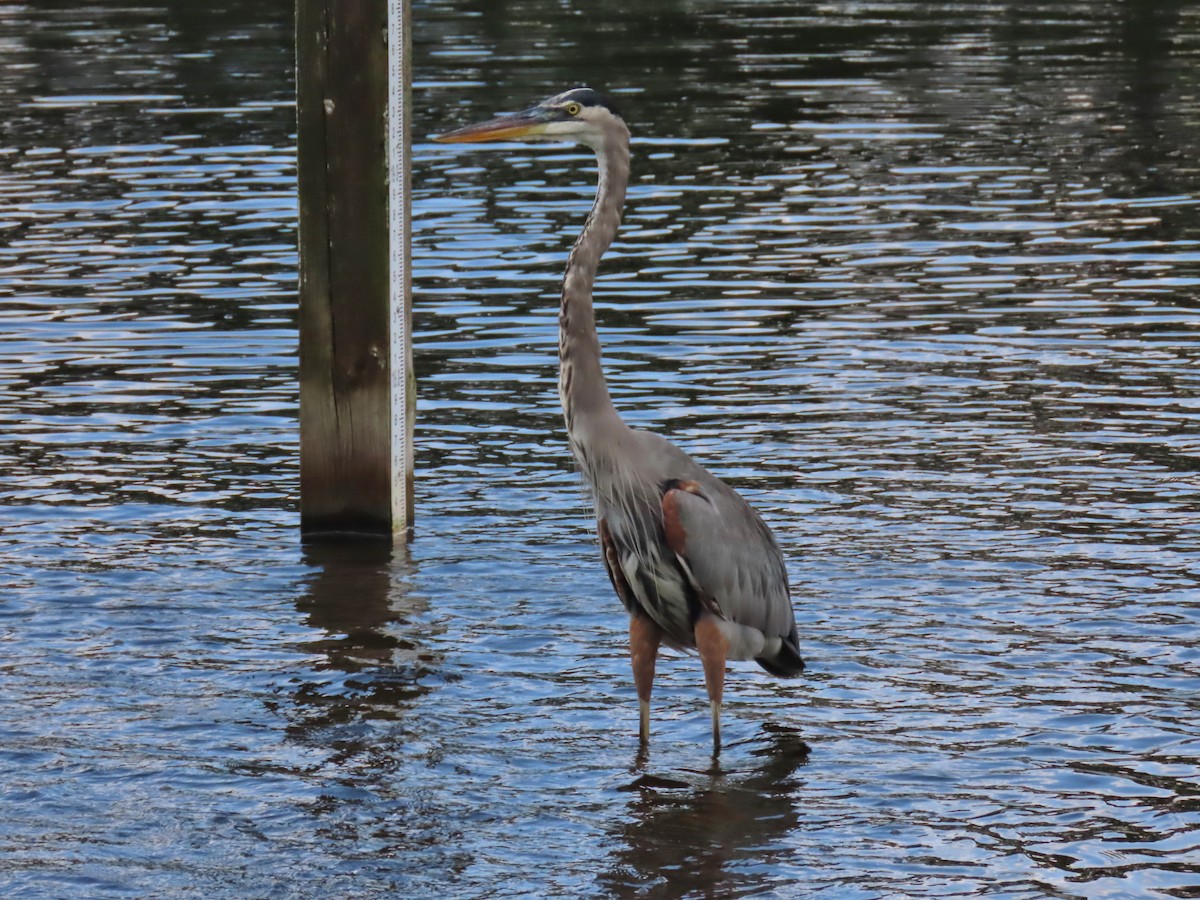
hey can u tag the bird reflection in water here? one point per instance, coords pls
(687, 835)
(371, 669)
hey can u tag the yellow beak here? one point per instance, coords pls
(505, 128)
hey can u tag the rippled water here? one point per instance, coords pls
(919, 278)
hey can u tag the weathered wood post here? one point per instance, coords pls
(353, 85)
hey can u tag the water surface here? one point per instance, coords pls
(918, 278)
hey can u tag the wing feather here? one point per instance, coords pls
(678, 541)
(732, 557)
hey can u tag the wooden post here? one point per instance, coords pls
(356, 380)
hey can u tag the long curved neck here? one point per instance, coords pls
(587, 406)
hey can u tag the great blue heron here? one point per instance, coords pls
(693, 564)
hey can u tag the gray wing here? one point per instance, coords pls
(730, 555)
(683, 538)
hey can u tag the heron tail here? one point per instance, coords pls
(786, 662)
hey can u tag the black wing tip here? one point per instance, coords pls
(786, 664)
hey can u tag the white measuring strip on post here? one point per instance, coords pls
(399, 251)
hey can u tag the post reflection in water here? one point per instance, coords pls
(372, 667)
(680, 836)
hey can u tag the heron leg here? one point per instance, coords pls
(714, 650)
(644, 638)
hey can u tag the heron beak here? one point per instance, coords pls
(505, 128)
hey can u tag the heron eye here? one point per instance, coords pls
(572, 108)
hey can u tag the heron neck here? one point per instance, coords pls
(581, 383)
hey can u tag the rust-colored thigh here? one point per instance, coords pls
(644, 638)
(714, 650)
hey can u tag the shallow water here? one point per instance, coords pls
(919, 278)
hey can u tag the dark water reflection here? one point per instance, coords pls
(361, 601)
(919, 277)
(722, 833)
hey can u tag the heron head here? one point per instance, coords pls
(581, 115)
